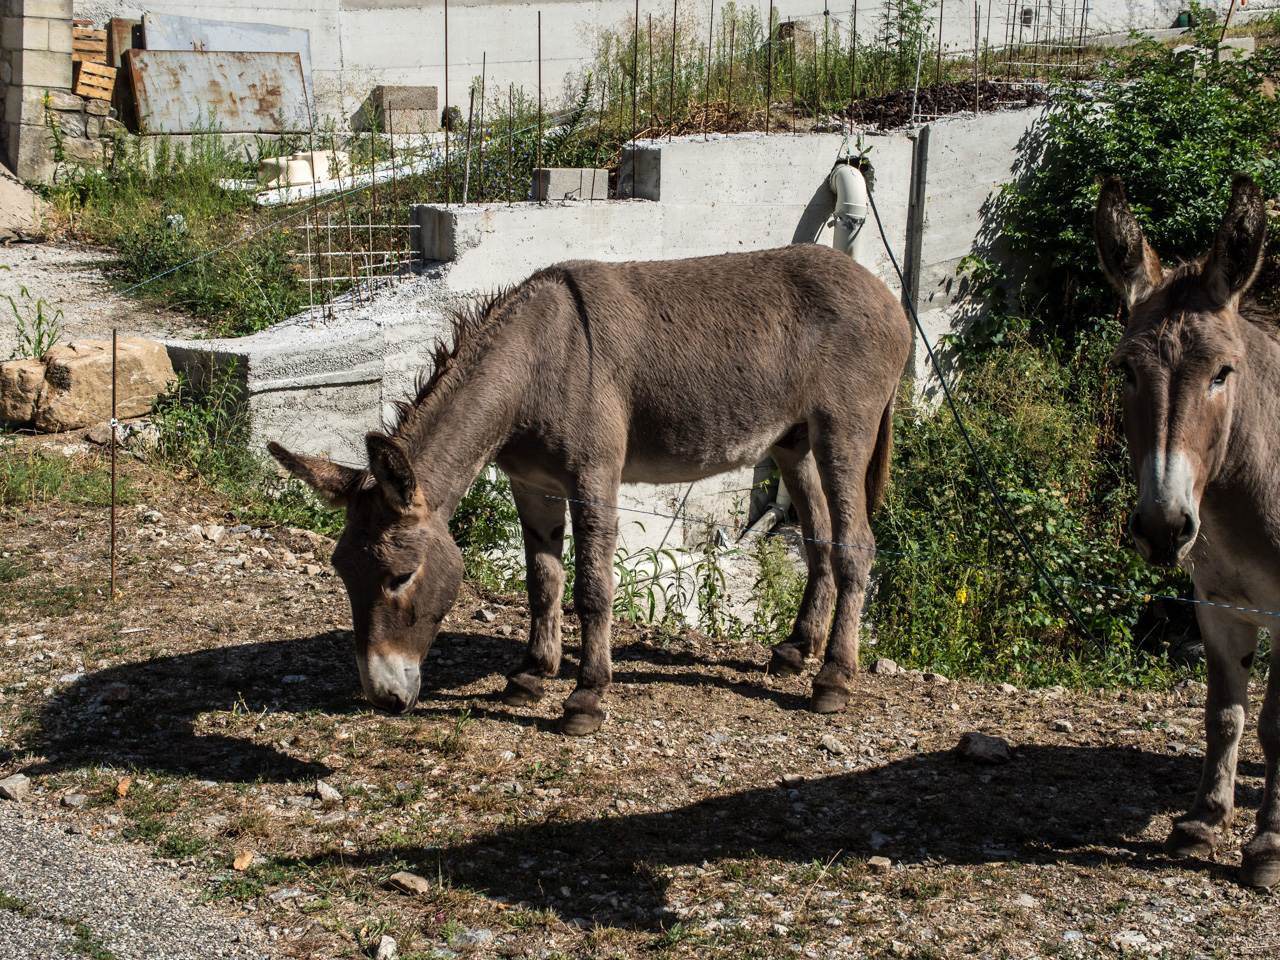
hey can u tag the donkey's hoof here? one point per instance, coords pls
(522, 691)
(1191, 839)
(785, 661)
(828, 701)
(1261, 864)
(580, 724)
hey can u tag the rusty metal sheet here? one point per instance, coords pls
(179, 91)
(165, 31)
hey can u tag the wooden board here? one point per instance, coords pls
(88, 46)
(94, 81)
(123, 34)
(188, 92)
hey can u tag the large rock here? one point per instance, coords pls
(76, 391)
(20, 383)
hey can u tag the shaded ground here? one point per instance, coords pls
(711, 816)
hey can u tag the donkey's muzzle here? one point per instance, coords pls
(1163, 536)
(391, 683)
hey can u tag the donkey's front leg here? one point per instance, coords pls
(542, 524)
(595, 535)
(1261, 864)
(1229, 647)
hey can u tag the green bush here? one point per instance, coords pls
(1175, 129)
(958, 593)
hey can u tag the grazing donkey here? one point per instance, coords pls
(588, 375)
(1202, 419)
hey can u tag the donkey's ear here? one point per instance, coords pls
(1237, 248)
(390, 465)
(1127, 259)
(335, 483)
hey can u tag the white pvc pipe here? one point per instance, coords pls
(849, 186)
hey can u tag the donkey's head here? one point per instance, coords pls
(1183, 360)
(401, 568)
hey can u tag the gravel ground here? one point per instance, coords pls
(712, 816)
(76, 892)
(72, 278)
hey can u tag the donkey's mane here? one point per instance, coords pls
(471, 328)
(1182, 283)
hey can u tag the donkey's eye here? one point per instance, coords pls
(1221, 378)
(1127, 372)
(397, 582)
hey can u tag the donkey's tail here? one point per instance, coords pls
(878, 468)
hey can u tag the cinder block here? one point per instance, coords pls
(26, 33)
(48, 9)
(394, 109)
(42, 68)
(571, 183)
(31, 153)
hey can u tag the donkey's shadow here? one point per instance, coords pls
(1086, 806)
(145, 715)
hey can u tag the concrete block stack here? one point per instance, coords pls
(35, 84)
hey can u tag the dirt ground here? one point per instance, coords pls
(710, 816)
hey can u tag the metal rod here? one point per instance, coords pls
(466, 176)
(671, 109)
(733, 29)
(937, 78)
(768, 83)
(373, 170)
(511, 140)
(315, 203)
(448, 117)
(915, 90)
(484, 66)
(112, 593)
(395, 193)
(653, 110)
(977, 39)
(706, 91)
(853, 62)
(635, 82)
(311, 300)
(539, 94)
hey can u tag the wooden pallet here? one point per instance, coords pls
(94, 81)
(88, 46)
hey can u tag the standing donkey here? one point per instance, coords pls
(588, 375)
(1202, 418)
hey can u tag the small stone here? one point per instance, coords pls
(1072, 936)
(99, 434)
(15, 787)
(387, 949)
(240, 528)
(485, 615)
(327, 793)
(410, 883)
(1006, 688)
(984, 749)
(832, 745)
(898, 948)
(115, 693)
(936, 678)
(97, 108)
(1026, 900)
(214, 533)
(74, 801)
(1062, 726)
(780, 929)
(473, 938)
(286, 893)
(153, 516)
(792, 779)
(288, 559)
(880, 864)
(311, 570)
(885, 666)
(834, 922)
(1128, 940)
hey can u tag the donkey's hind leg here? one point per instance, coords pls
(800, 474)
(1261, 863)
(842, 451)
(542, 523)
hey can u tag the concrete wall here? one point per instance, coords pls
(357, 44)
(35, 60)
